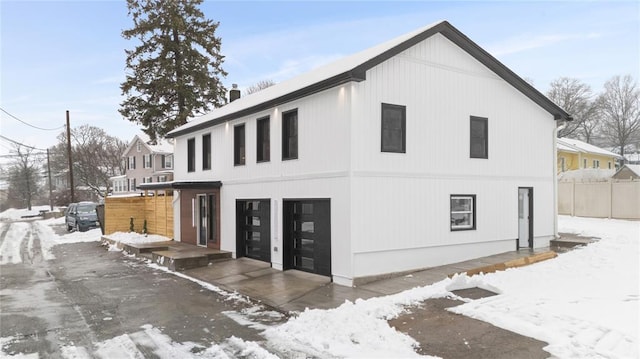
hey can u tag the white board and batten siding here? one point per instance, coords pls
(390, 212)
(320, 172)
(406, 222)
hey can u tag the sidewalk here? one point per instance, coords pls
(294, 290)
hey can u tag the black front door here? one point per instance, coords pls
(253, 229)
(307, 235)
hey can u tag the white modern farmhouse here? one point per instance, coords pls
(421, 151)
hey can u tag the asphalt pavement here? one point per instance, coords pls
(89, 295)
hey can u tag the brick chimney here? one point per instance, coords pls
(234, 93)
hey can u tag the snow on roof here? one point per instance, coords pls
(161, 146)
(633, 168)
(309, 78)
(573, 145)
(563, 147)
(594, 174)
(353, 68)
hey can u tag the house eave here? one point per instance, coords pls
(180, 185)
(345, 77)
(358, 73)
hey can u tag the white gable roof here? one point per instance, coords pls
(353, 68)
(163, 146)
(571, 145)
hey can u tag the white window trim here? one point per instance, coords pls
(470, 226)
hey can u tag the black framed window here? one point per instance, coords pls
(238, 145)
(263, 139)
(394, 130)
(206, 151)
(191, 155)
(290, 135)
(479, 141)
(463, 212)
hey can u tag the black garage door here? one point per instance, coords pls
(253, 229)
(307, 235)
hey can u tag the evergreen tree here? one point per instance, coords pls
(176, 69)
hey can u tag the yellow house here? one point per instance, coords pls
(575, 155)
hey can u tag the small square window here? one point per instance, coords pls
(463, 212)
(394, 132)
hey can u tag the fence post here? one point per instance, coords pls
(610, 198)
(573, 197)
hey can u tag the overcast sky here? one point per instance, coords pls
(59, 56)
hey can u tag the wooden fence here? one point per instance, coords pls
(156, 210)
(610, 199)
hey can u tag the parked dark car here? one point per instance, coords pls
(81, 216)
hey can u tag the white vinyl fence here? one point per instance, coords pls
(611, 199)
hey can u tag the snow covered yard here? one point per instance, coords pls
(584, 303)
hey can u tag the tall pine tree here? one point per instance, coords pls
(176, 69)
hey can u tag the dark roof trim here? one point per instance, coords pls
(295, 95)
(358, 74)
(180, 185)
(496, 66)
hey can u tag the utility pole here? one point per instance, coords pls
(50, 189)
(73, 197)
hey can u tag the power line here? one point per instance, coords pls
(21, 144)
(28, 124)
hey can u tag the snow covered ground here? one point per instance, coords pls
(584, 303)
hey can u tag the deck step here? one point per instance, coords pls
(570, 242)
(139, 248)
(183, 259)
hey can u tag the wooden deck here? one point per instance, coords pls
(176, 256)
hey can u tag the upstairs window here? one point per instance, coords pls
(191, 155)
(206, 152)
(479, 142)
(263, 140)
(138, 146)
(290, 135)
(394, 131)
(463, 212)
(132, 163)
(239, 148)
(146, 161)
(167, 161)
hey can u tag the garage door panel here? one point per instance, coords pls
(253, 229)
(308, 235)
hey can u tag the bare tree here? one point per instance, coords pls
(620, 109)
(24, 176)
(96, 157)
(260, 85)
(575, 98)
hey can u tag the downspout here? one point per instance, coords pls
(555, 177)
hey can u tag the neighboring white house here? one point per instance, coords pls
(144, 163)
(418, 152)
